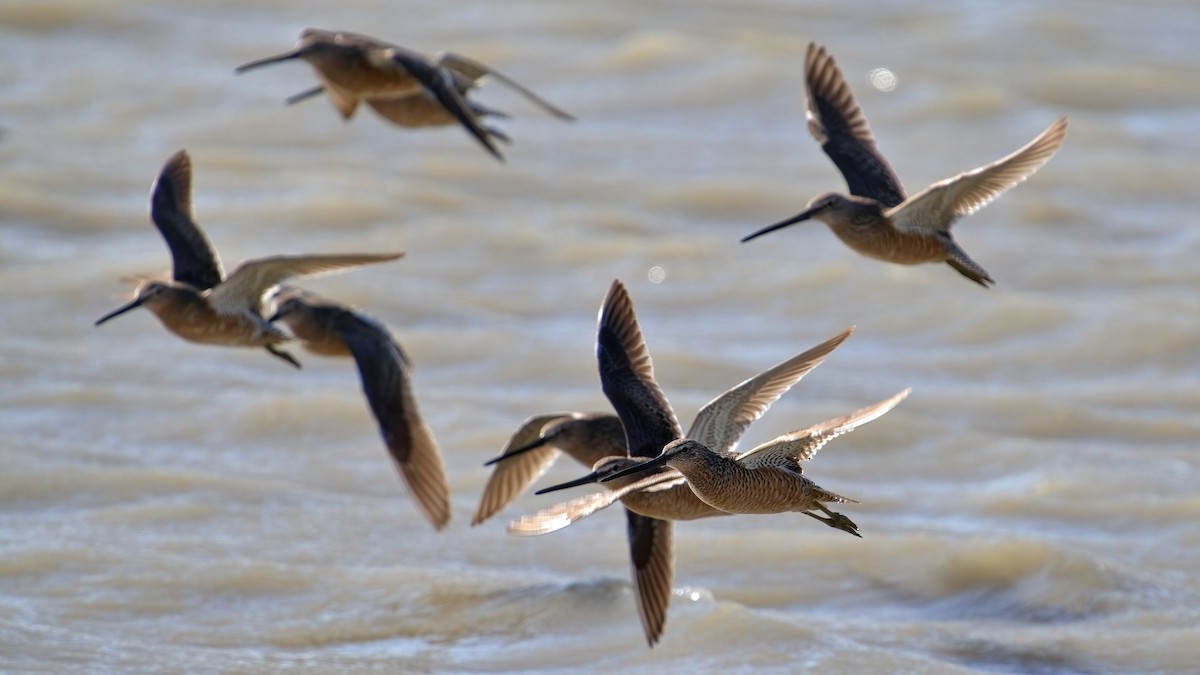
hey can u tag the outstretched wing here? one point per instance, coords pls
(194, 260)
(627, 378)
(788, 450)
(474, 71)
(385, 373)
(250, 281)
(652, 555)
(440, 84)
(839, 125)
(513, 476)
(722, 421)
(937, 206)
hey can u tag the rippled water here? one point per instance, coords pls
(168, 507)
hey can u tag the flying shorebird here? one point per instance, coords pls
(199, 304)
(403, 86)
(627, 379)
(330, 329)
(721, 423)
(876, 219)
(599, 440)
(585, 437)
(795, 447)
(768, 478)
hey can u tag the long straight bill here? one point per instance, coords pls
(803, 215)
(137, 302)
(294, 54)
(638, 468)
(592, 477)
(517, 451)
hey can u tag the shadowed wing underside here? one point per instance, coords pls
(386, 382)
(440, 83)
(194, 261)
(839, 125)
(627, 378)
(652, 556)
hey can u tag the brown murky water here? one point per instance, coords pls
(167, 507)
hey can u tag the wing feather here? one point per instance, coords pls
(839, 125)
(194, 260)
(790, 449)
(513, 476)
(722, 421)
(245, 288)
(387, 384)
(936, 207)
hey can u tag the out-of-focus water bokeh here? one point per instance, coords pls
(1032, 507)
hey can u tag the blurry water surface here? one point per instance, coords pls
(1033, 506)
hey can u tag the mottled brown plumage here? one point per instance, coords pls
(719, 424)
(199, 304)
(403, 86)
(876, 219)
(768, 478)
(627, 379)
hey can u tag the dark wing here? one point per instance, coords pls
(194, 261)
(652, 553)
(473, 71)
(440, 83)
(627, 378)
(840, 126)
(385, 372)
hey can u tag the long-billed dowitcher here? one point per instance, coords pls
(720, 423)
(798, 446)
(662, 494)
(418, 110)
(585, 437)
(627, 379)
(876, 219)
(405, 87)
(199, 304)
(330, 329)
(768, 478)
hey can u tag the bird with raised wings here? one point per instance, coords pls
(199, 303)
(876, 219)
(405, 87)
